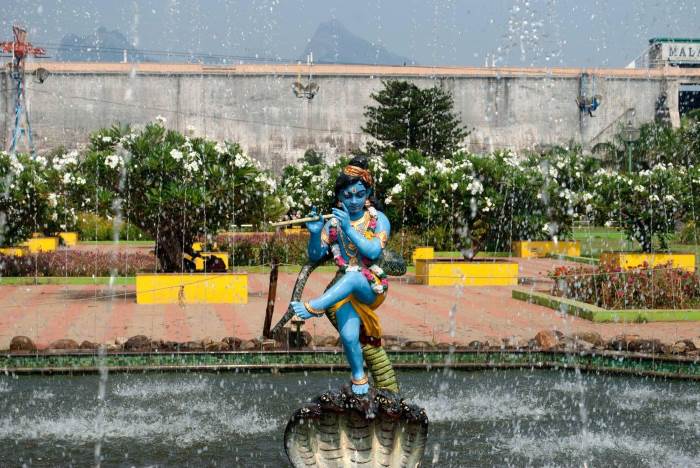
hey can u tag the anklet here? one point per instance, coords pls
(313, 311)
(361, 381)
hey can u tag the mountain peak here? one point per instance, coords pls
(333, 43)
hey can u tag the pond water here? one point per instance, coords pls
(486, 418)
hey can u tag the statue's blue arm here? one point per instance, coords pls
(371, 248)
(317, 248)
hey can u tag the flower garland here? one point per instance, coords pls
(375, 276)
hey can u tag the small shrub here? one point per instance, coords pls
(660, 287)
(259, 248)
(97, 228)
(688, 234)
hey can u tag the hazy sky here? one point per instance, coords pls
(605, 33)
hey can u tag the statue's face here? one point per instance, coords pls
(354, 196)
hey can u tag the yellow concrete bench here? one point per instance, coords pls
(481, 272)
(192, 288)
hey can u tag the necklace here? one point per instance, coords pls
(349, 247)
(371, 271)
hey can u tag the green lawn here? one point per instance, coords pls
(595, 240)
(69, 280)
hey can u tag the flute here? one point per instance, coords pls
(301, 220)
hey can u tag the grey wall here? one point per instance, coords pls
(272, 124)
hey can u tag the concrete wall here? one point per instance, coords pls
(506, 108)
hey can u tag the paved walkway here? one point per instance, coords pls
(47, 313)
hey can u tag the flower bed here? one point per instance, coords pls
(77, 263)
(660, 287)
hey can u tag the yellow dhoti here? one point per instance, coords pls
(370, 321)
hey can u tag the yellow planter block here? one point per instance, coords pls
(449, 272)
(536, 249)
(13, 251)
(69, 238)
(197, 247)
(41, 244)
(423, 253)
(222, 255)
(628, 260)
(192, 288)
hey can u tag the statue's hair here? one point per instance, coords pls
(345, 180)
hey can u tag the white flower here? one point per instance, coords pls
(411, 170)
(654, 198)
(387, 200)
(372, 211)
(176, 154)
(307, 201)
(454, 186)
(106, 139)
(112, 160)
(17, 166)
(54, 216)
(670, 198)
(589, 208)
(160, 120)
(41, 160)
(192, 165)
(53, 200)
(80, 181)
(220, 148)
(329, 193)
(240, 161)
(560, 164)
(475, 187)
(587, 196)
(401, 176)
(639, 188)
(396, 189)
(67, 177)
(608, 223)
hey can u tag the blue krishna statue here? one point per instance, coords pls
(356, 236)
(335, 428)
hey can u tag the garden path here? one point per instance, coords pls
(49, 312)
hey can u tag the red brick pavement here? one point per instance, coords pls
(46, 313)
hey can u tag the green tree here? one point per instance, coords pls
(407, 117)
(173, 188)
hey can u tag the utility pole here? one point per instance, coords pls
(20, 50)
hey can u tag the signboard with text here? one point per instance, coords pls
(680, 52)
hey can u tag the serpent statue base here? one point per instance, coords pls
(340, 428)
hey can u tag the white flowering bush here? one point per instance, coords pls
(23, 197)
(562, 177)
(306, 185)
(484, 201)
(645, 204)
(172, 187)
